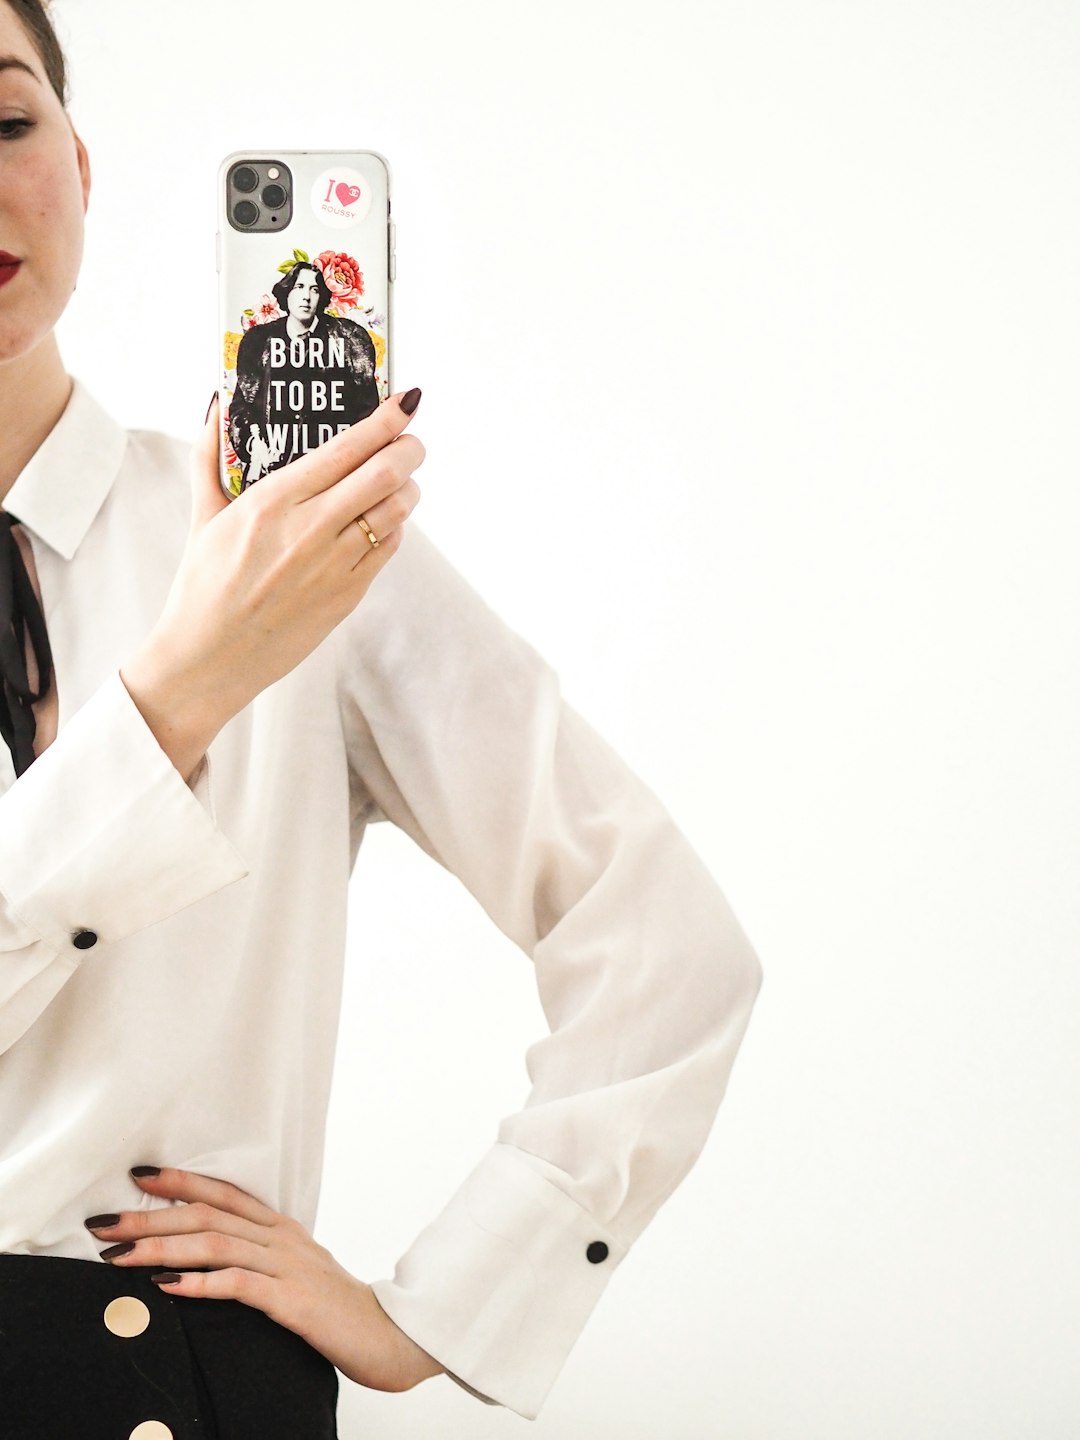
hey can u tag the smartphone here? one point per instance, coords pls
(306, 265)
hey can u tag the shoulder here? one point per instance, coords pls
(148, 509)
(141, 471)
(158, 448)
(161, 453)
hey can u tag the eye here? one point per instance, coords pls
(7, 134)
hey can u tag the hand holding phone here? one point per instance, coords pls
(264, 580)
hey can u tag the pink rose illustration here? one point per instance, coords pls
(265, 309)
(342, 273)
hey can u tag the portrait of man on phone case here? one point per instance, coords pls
(300, 378)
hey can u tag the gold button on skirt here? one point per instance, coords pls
(127, 1315)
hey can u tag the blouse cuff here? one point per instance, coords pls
(499, 1286)
(102, 833)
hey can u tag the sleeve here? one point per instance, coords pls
(457, 731)
(100, 837)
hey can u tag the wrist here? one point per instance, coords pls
(176, 689)
(175, 712)
(412, 1362)
(421, 1365)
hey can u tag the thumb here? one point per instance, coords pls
(207, 497)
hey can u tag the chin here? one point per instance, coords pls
(21, 331)
(16, 340)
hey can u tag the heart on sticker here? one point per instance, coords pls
(346, 194)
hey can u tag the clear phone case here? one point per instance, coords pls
(305, 268)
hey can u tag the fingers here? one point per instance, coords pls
(192, 1187)
(217, 1248)
(173, 1220)
(208, 498)
(323, 467)
(373, 483)
(385, 519)
(369, 561)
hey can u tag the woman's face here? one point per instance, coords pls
(44, 191)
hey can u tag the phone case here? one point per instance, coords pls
(304, 310)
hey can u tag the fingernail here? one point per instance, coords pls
(166, 1277)
(114, 1250)
(410, 400)
(209, 407)
(138, 1170)
(101, 1222)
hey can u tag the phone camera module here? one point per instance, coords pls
(261, 179)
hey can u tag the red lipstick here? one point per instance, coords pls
(9, 265)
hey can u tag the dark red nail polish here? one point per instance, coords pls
(209, 407)
(166, 1277)
(114, 1250)
(410, 400)
(138, 1170)
(101, 1222)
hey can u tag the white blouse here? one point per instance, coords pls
(171, 956)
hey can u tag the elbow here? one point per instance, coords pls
(736, 958)
(739, 975)
(754, 973)
(750, 972)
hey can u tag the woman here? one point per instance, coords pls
(183, 803)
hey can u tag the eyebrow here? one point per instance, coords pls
(12, 62)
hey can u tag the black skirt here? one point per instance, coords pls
(93, 1351)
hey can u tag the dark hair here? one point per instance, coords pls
(281, 290)
(37, 22)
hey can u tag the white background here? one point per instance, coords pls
(748, 340)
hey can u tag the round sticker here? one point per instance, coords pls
(341, 197)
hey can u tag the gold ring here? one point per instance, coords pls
(367, 530)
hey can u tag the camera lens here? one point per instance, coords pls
(273, 197)
(245, 212)
(245, 178)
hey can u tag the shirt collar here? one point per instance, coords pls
(62, 487)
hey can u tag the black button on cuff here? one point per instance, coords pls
(83, 939)
(596, 1252)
